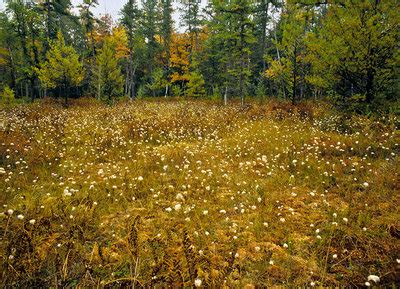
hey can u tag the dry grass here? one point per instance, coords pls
(168, 194)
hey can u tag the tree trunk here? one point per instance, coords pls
(279, 59)
(13, 73)
(226, 95)
(370, 86)
(166, 90)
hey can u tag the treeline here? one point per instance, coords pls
(347, 50)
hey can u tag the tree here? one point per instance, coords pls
(291, 66)
(25, 23)
(149, 28)
(7, 96)
(166, 34)
(108, 77)
(130, 21)
(355, 50)
(232, 31)
(191, 19)
(88, 22)
(62, 69)
(263, 12)
(8, 51)
(56, 13)
(195, 86)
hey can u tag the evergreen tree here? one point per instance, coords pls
(62, 69)
(108, 77)
(130, 20)
(25, 23)
(149, 27)
(291, 66)
(355, 50)
(233, 33)
(166, 34)
(191, 19)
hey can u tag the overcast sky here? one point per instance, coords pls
(113, 7)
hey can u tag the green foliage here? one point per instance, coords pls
(229, 44)
(158, 82)
(355, 49)
(303, 49)
(62, 67)
(261, 90)
(195, 86)
(108, 77)
(176, 90)
(290, 67)
(7, 97)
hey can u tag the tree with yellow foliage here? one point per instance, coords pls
(62, 69)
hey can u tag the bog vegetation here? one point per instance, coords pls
(256, 146)
(183, 194)
(343, 50)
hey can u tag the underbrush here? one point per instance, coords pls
(190, 193)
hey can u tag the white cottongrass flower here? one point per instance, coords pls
(334, 256)
(265, 224)
(367, 284)
(197, 282)
(345, 220)
(180, 197)
(312, 284)
(374, 278)
(177, 207)
(32, 222)
(67, 193)
(222, 211)
(365, 184)
(140, 178)
(257, 248)
(285, 245)
(20, 217)
(10, 212)
(168, 209)
(282, 220)
(205, 212)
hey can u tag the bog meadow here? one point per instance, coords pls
(217, 144)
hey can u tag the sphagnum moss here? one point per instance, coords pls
(166, 194)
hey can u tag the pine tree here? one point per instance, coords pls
(62, 69)
(108, 77)
(166, 35)
(291, 66)
(150, 22)
(355, 51)
(191, 19)
(130, 20)
(233, 35)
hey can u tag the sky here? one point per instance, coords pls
(113, 7)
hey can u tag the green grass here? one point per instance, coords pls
(164, 193)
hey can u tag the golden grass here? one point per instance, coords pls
(178, 194)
